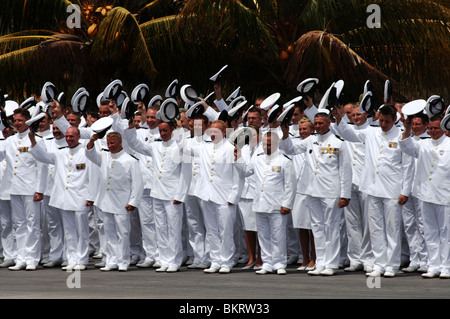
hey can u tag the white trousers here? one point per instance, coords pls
(168, 222)
(101, 230)
(326, 222)
(197, 230)
(436, 219)
(26, 221)
(117, 235)
(7, 237)
(55, 230)
(359, 249)
(413, 230)
(136, 247)
(219, 221)
(385, 222)
(76, 235)
(147, 219)
(272, 239)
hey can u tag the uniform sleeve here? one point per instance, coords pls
(221, 104)
(408, 169)
(137, 145)
(348, 132)
(40, 153)
(94, 156)
(290, 185)
(345, 171)
(137, 185)
(63, 125)
(289, 148)
(410, 147)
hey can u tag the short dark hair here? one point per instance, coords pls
(388, 109)
(23, 111)
(424, 117)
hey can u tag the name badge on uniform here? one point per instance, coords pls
(393, 144)
(23, 149)
(276, 169)
(80, 166)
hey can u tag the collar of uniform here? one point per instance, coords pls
(272, 156)
(153, 130)
(362, 126)
(46, 133)
(23, 134)
(323, 137)
(118, 154)
(168, 143)
(219, 144)
(394, 129)
(439, 141)
(76, 148)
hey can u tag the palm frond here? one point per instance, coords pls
(119, 38)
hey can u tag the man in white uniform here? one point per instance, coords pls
(432, 188)
(387, 180)
(274, 198)
(120, 192)
(68, 194)
(329, 190)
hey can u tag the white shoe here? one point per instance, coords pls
(190, 261)
(69, 267)
(106, 268)
(430, 275)
(7, 263)
(328, 272)
(145, 264)
(172, 269)
(224, 270)
(374, 273)
(157, 264)
(389, 274)
(281, 271)
(354, 268)
(17, 267)
(263, 272)
(315, 272)
(123, 269)
(30, 267)
(410, 269)
(210, 270)
(368, 269)
(444, 275)
(247, 267)
(301, 268)
(134, 260)
(162, 269)
(97, 256)
(79, 267)
(100, 264)
(422, 269)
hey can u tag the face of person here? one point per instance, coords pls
(297, 115)
(305, 130)
(137, 120)
(268, 146)
(165, 131)
(184, 121)
(19, 123)
(254, 118)
(417, 127)
(73, 120)
(103, 111)
(217, 132)
(386, 122)
(357, 117)
(321, 125)
(57, 133)
(72, 137)
(114, 144)
(348, 111)
(434, 130)
(152, 121)
(199, 127)
(44, 125)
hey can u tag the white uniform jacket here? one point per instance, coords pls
(432, 179)
(328, 164)
(121, 181)
(274, 182)
(388, 171)
(70, 188)
(166, 165)
(22, 170)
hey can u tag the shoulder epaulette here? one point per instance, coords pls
(374, 125)
(38, 135)
(157, 140)
(339, 137)
(208, 141)
(134, 157)
(50, 138)
(105, 149)
(260, 154)
(62, 147)
(287, 157)
(425, 137)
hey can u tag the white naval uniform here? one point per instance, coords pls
(24, 181)
(387, 174)
(274, 188)
(68, 195)
(166, 188)
(359, 249)
(329, 168)
(217, 188)
(196, 225)
(7, 235)
(120, 185)
(52, 223)
(413, 224)
(432, 188)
